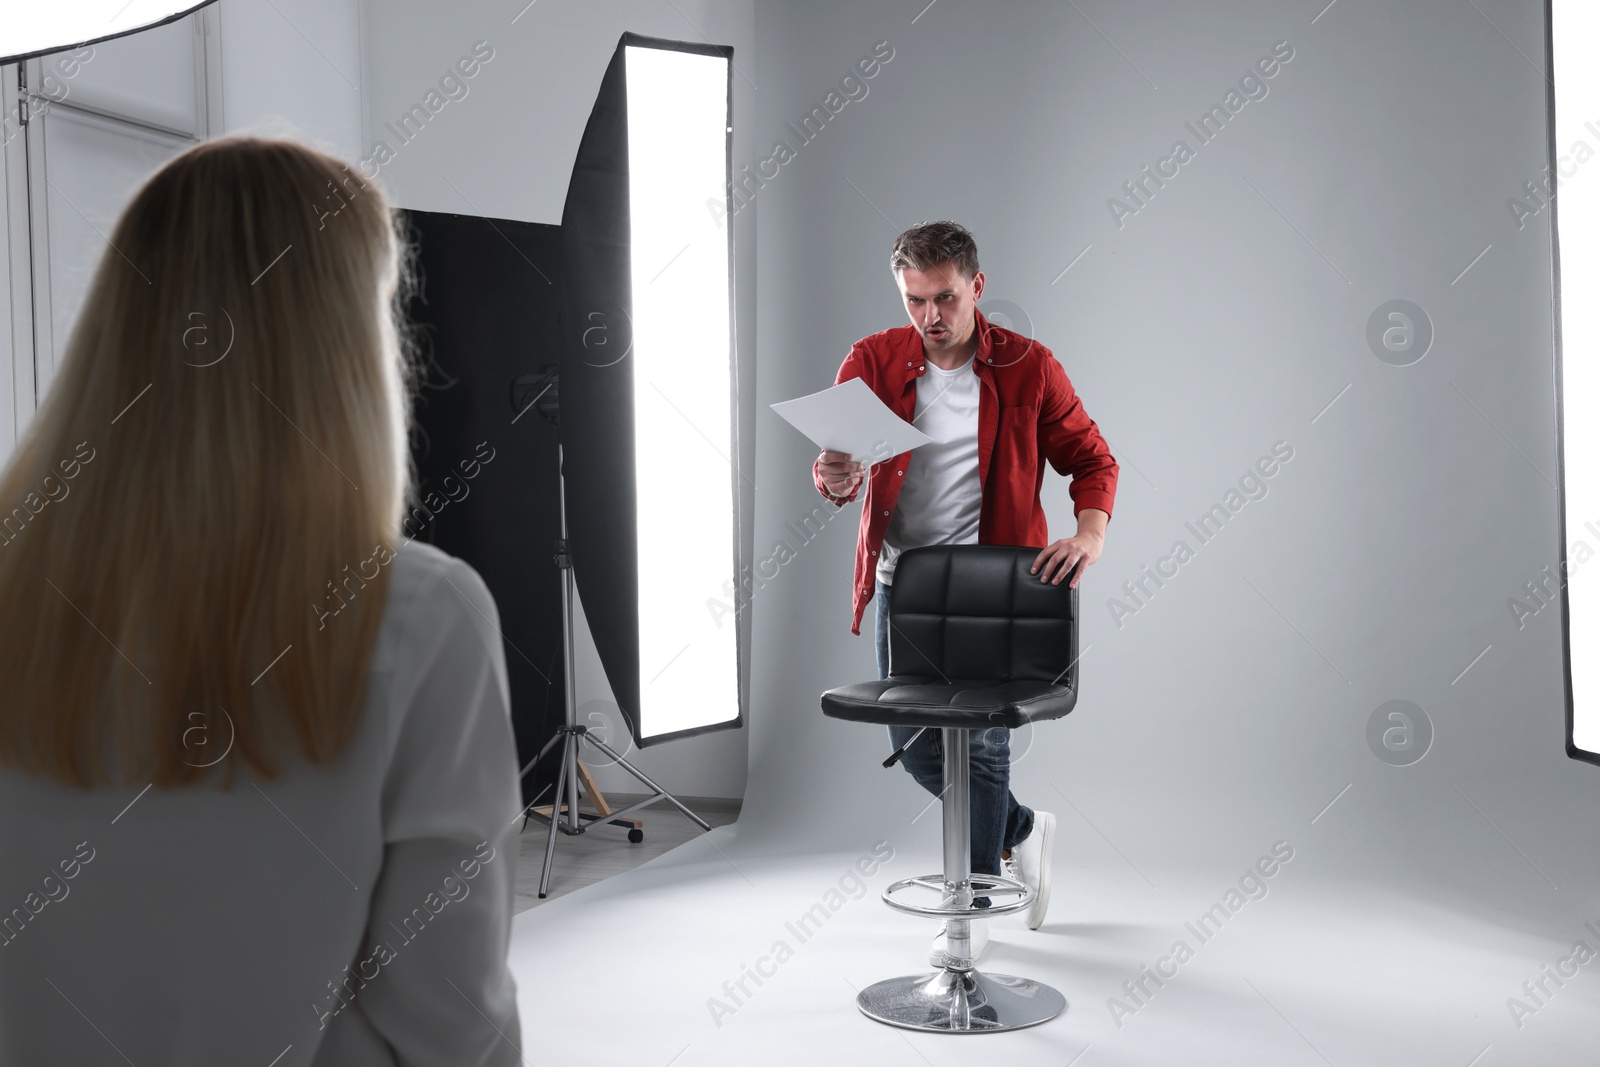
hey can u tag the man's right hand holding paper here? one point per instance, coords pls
(840, 474)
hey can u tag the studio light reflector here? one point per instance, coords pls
(36, 29)
(648, 386)
(1575, 230)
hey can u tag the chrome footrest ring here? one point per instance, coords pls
(982, 885)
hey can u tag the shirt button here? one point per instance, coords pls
(874, 552)
(899, 472)
(886, 513)
(990, 359)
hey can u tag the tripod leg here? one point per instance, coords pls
(568, 754)
(528, 810)
(637, 773)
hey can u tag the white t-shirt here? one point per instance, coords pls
(941, 498)
(200, 926)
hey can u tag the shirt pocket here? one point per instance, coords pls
(1016, 445)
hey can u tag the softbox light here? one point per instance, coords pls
(1574, 590)
(648, 386)
(37, 29)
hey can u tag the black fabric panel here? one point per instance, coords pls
(597, 432)
(486, 313)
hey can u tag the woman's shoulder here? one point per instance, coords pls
(419, 561)
(429, 589)
(420, 566)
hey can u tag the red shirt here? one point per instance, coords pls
(1027, 412)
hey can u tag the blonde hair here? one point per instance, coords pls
(222, 452)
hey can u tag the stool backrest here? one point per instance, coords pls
(974, 612)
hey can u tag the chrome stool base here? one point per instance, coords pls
(960, 1002)
(956, 999)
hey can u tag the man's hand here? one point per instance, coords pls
(1072, 555)
(840, 475)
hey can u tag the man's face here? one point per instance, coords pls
(940, 302)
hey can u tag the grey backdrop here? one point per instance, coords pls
(1228, 314)
(1235, 709)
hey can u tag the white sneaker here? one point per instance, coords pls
(977, 936)
(1029, 864)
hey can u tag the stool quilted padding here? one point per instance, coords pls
(974, 641)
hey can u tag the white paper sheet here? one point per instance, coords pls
(849, 417)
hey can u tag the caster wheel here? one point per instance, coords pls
(635, 835)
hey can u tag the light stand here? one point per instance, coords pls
(572, 733)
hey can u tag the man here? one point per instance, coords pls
(998, 406)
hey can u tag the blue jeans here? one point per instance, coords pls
(998, 821)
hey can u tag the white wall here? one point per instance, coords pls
(505, 150)
(294, 67)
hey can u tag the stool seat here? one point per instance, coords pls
(970, 703)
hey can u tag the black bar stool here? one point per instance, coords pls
(975, 641)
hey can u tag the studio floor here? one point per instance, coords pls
(605, 851)
(653, 966)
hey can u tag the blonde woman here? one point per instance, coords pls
(258, 790)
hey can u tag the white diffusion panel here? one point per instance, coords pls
(678, 119)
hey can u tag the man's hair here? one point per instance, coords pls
(928, 244)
